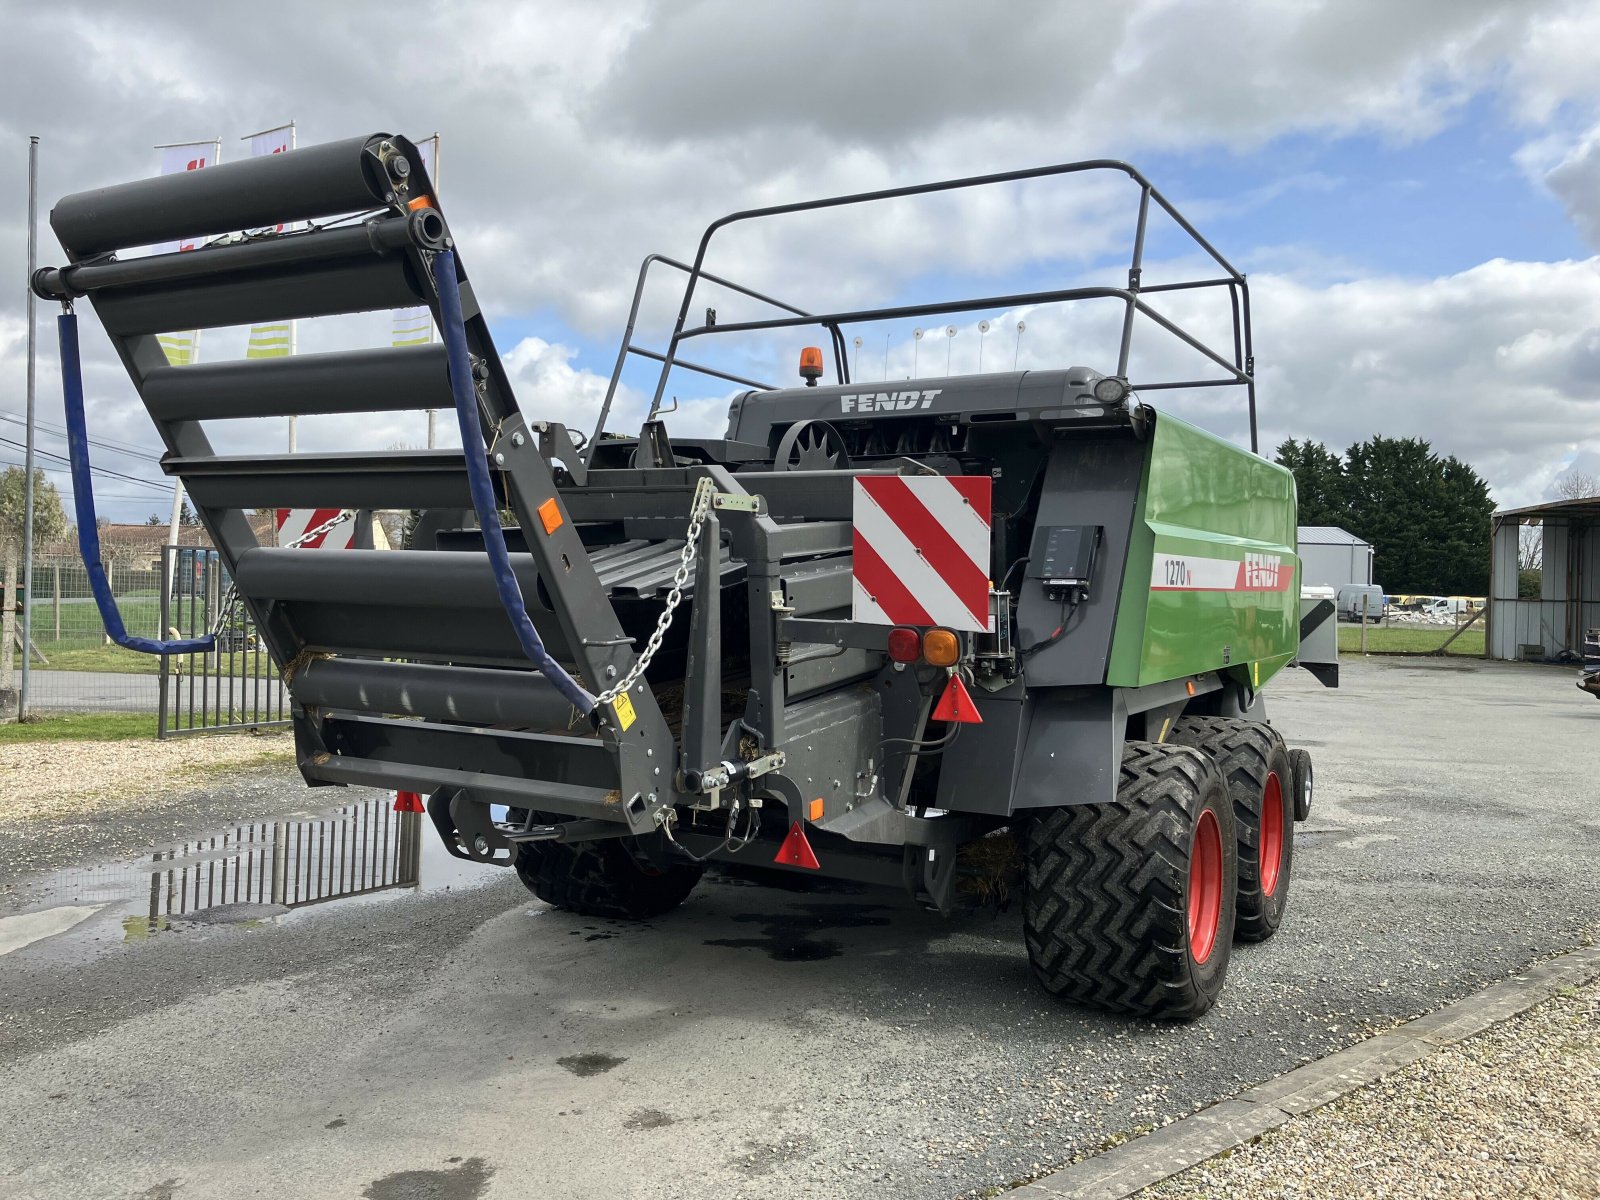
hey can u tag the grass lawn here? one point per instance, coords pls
(99, 657)
(81, 727)
(1411, 639)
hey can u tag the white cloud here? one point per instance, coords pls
(579, 137)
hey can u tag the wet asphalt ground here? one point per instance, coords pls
(459, 1040)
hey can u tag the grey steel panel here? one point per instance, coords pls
(426, 578)
(391, 479)
(397, 380)
(829, 741)
(563, 800)
(322, 289)
(414, 579)
(547, 758)
(818, 587)
(445, 693)
(398, 630)
(1090, 480)
(318, 181)
(1071, 750)
(821, 674)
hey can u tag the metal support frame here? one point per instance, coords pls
(1240, 367)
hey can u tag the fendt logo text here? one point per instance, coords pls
(887, 401)
(1261, 571)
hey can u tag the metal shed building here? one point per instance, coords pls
(1332, 557)
(1551, 627)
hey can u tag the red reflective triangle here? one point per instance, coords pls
(408, 802)
(956, 704)
(796, 851)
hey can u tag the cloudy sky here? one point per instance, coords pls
(1414, 189)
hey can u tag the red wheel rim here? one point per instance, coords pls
(1205, 886)
(1271, 834)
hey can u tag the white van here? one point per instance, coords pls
(1350, 598)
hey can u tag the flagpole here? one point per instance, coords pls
(27, 504)
(293, 327)
(433, 413)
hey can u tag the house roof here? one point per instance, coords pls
(1327, 535)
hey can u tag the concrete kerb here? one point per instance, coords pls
(1165, 1152)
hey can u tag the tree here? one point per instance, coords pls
(1577, 485)
(153, 519)
(1426, 517)
(1530, 547)
(49, 518)
(1319, 478)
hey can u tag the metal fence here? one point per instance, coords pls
(235, 686)
(74, 668)
(161, 591)
(359, 849)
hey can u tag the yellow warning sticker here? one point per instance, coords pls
(623, 707)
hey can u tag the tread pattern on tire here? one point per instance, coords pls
(1106, 915)
(602, 879)
(1243, 750)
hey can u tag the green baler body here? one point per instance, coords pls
(1212, 579)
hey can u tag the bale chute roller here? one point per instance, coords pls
(761, 644)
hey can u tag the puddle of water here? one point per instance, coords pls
(27, 928)
(586, 1065)
(247, 876)
(787, 937)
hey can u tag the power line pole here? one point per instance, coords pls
(27, 485)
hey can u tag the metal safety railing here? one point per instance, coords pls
(1237, 362)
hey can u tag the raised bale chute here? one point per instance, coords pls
(968, 635)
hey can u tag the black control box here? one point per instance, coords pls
(1062, 559)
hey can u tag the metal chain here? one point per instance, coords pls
(312, 535)
(698, 508)
(231, 596)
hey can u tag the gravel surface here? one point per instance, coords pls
(65, 803)
(56, 778)
(783, 1044)
(1513, 1112)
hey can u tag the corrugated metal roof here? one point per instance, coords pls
(1327, 535)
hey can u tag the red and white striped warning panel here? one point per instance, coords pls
(293, 523)
(1191, 573)
(922, 550)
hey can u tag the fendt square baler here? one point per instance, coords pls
(977, 636)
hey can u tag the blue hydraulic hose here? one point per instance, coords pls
(83, 507)
(453, 330)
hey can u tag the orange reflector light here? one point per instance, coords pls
(408, 802)
(1190, 686)
(811, 363)
(956, 704)
(422, 201)
(550, 516)
(814, 810)
(905, 645)
(796, 851)
(941, 648)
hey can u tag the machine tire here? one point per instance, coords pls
(1260, 777)
(1304, 779)
(602, 879)
(1130, 904)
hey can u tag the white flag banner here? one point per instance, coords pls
(274, 340)
(414, 326)
(184, 347)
